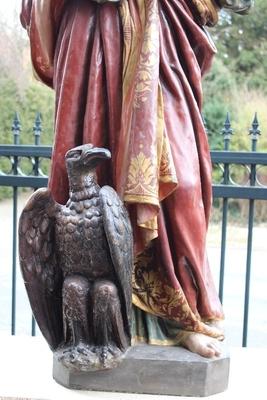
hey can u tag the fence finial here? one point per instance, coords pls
(37, 128)
(16, 128)
(227, 131)
(255, 132)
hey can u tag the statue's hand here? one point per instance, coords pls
(237, 6)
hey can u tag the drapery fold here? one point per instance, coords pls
(127, 76)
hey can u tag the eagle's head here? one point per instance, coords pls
(86, 157)
(237, 6)
(82, 161)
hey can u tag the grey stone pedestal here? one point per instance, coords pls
(154, 370)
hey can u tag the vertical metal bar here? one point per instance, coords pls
(248, 273)
(227, 132)
(16, 128)
(254, 132)
(223, 247)
(37, 129)
(33, 333)
(14, 261)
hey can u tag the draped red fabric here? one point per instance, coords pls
(87, 64)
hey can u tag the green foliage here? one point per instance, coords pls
(20, 92)
(37, 98)
(247, 103)
(219, 86)
(238, 80)
(242, 45)
(9, 102)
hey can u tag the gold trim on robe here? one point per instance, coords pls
(146, 173)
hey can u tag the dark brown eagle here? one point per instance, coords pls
(76, 261)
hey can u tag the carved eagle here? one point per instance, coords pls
(76, 261)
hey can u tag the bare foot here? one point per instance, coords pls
(203, 345)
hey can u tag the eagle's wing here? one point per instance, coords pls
(42, 276)
(118, 231)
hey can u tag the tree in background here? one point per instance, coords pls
(219, 86)
(242, 46)
(238, 80)
(20, 92)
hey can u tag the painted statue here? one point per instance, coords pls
(127, 77)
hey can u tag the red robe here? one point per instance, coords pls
(127, 76)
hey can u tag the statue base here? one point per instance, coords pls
(160, 370)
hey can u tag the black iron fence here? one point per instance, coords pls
(250, 185)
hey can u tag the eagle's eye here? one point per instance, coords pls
(74, 154)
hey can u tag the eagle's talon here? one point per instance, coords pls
(103, 356)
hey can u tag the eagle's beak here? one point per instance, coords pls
(96, 152)
(94, 155)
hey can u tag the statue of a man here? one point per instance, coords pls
(127, 76)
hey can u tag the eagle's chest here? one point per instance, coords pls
(81, 240)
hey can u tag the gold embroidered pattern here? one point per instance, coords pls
(149, 57)
(153, 294)
(157, 297)
(167, 170)
(145, 176)
(141, 177)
